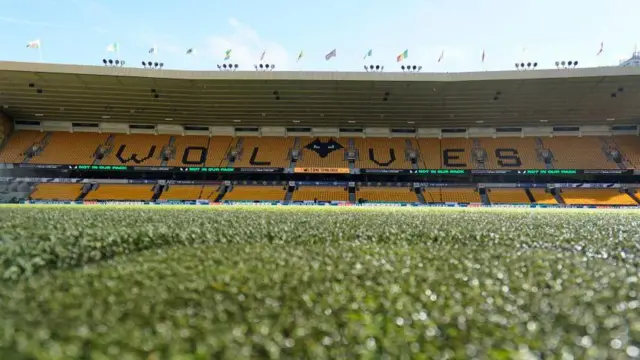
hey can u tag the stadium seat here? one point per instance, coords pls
(15, 149)
(255, 193)
(136, 150)
(265, 152)
(543, 197)
(195, 144)
(121, 192)
(596, 197)
(387, 194)
(56, 191)
(504, 153)
(383, 153)
(328, 152)
(70, 148)
(630, 147)
(458, 195)
(508, 196)
(181, 192)
(430, 153)
(458, 153)
(578, 153)
(320, 193)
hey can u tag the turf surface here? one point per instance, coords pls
(235, 283)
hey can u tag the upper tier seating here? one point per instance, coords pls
(453, 153)
(387, 154)
(14, 151)
(322, 152)
(265, 152)
(578, 153)
(136, 150)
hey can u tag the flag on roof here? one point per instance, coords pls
(441, 56)
(483, 55)
(35, 44)
(113, 47)
(300, 55)
(191, 51)
(227, 54)
(153, 50)
(264, 53)
(368, 54)
(330, 55)
(601, 49)
(403, 55)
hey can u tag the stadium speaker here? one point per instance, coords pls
(522, 65)
(273, 66)
(161, 65)
(144, 64)
(419, 67)
(366, 68)
(104, 61)
(535, 65)
(575, 63)
(219, 67)
(415, 68)
(562, 63)
(155, 64)
(569, 63)
(121, 62)
(235, 66)
(149, 64)
(261, 66)
(224, 66)
(517, 65)
(377, 67)
(402, 67)
(117, 62)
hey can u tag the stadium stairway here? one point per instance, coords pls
(556, 195)
(85, 190)
(108, 146)
(530, 195)
(632, 194)
(223, 190)
(289, 195)
(420, 195)
(42, 145)
(483, 195)
(352, 194)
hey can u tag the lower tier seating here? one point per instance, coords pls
(596, 197)
(321, 193)
(52, 191)
(460, 195)
(543, 197)
(508, 196)
(121, 192)
(256, 193)
(387, 194)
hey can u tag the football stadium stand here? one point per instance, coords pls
(358, 137)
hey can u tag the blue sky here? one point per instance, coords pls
(78, 32)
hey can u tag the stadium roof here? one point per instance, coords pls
(327, 99)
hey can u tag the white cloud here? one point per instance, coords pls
(247, 47)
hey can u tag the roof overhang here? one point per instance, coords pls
(328, 99)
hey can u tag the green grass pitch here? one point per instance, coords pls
(294, 282)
